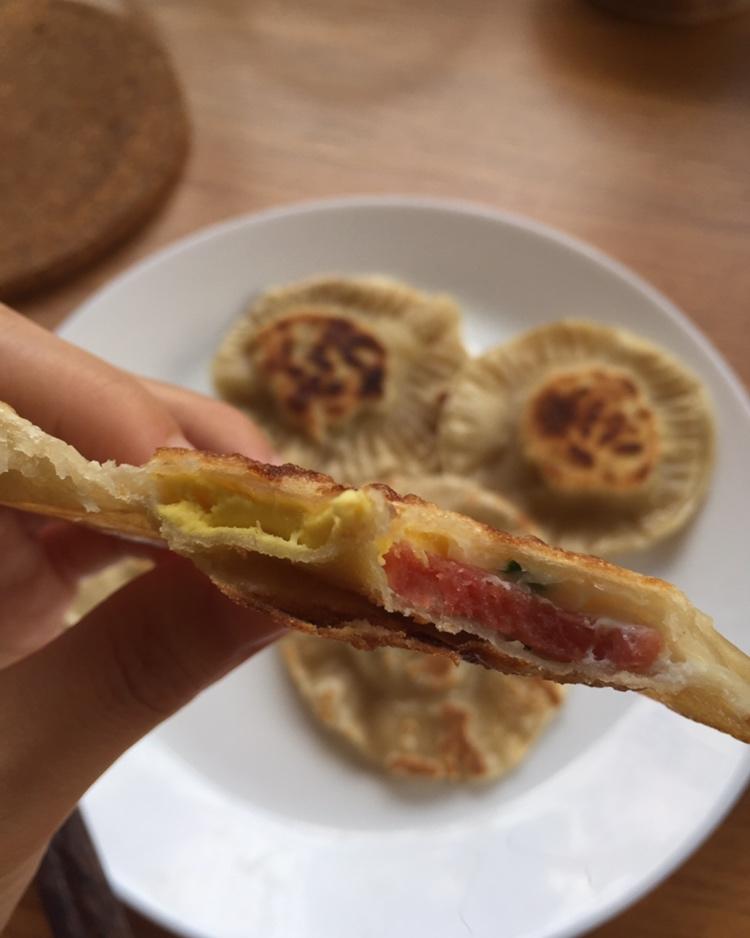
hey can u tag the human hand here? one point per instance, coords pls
(72, 702)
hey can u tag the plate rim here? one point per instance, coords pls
(573, 244)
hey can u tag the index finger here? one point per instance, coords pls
(102, 411)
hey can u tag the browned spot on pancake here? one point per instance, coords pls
(588, 418)
(555, 413)
(627, 449)
(322, 370)
(296, 404)
(580, 456)
(459, 751)
(589, 431)
(612, 427)
(372, 383)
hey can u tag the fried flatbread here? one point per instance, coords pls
(604, 436)
(372, 568)
(335, 371)
(421, 716)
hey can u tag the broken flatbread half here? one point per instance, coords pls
(376, 569)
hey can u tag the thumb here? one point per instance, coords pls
(68, 711)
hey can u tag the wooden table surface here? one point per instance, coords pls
(634, 138)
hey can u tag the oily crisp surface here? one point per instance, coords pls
(321, 370)
(604, 437)
(421, 715)
(591, 431)
(335, 371)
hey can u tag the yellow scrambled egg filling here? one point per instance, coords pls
(269, 517)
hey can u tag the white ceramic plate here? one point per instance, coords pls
(238, 818)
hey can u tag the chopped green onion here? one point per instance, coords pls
(514, 567)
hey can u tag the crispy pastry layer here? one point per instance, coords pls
(299, 544)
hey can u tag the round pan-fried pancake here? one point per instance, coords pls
(603, 436)
(334, 370)
(372, 568)
(420, 715)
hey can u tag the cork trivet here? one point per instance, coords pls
(93, 133)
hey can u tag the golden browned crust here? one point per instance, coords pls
(321, 370)
(240, 473)
(591, 431)
(241, 468)
(603, 435)
(334, 370)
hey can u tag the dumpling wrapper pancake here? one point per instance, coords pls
(335, 371)
(421, 716)
(604, 437)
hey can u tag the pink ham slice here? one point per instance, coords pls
(443, 588)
